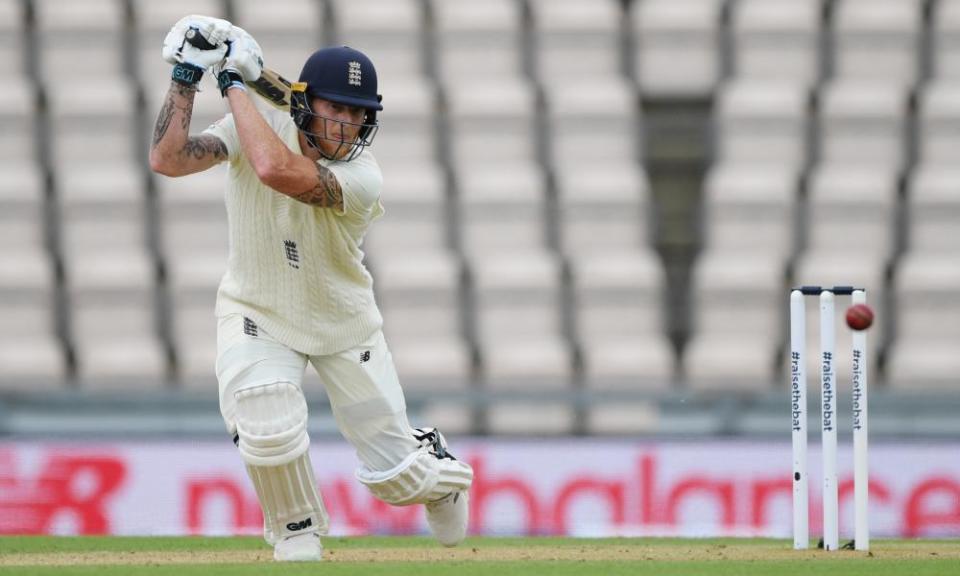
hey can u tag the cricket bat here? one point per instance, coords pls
(271, 86)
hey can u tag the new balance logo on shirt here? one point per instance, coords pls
(293, 256)
(250, 327)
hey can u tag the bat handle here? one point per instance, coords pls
(196, 39)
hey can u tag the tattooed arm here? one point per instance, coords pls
(324, 192)
(173, 151)
(277, 166)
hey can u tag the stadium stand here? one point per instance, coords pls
(751, 208)
(777, 39)
(576, 42)
(82, 42)
(762, 122)
(12, 32)
(676, 46)
(621, 327)
(944, 38)
(924, 356)
(390, 32)
(477, 42)
(877, 39)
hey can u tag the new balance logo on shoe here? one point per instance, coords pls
(294, 526)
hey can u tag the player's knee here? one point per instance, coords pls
(423, 476)
(271, 423)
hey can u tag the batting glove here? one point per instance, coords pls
(244, 56)
(243, 63)
(194, 44)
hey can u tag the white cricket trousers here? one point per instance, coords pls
(361, 384)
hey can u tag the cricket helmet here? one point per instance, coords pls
(342, 75)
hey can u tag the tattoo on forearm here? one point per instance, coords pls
(169, 109)
(327, 192)
(187, 115)
(199, 147)
(163, 121)
(183, 90)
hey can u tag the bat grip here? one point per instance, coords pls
(196, 39)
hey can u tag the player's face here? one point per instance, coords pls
(338, 125)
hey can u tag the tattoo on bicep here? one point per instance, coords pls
(326, 193)
(200, 147)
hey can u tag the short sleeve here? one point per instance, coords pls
(226, 130)
(360, 180)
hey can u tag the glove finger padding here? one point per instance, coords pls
(245, 56)
(203, 59)
(214, 31)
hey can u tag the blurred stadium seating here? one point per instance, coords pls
(532, 245)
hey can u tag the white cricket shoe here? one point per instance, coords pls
(448, 517)
(299, 548)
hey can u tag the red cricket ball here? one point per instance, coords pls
(859, 316)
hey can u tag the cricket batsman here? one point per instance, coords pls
(302, 190)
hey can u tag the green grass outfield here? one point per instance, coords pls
(477, 556)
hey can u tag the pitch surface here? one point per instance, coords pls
(499, 556)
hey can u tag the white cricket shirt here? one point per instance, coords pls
(295, 269)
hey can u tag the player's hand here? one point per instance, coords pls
(197, 40)
(244, 56)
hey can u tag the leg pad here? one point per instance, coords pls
(289, 498)
(271, 424)
(424, 476)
